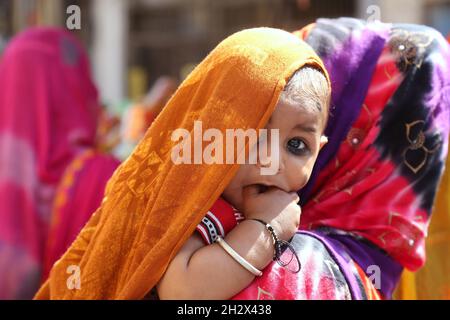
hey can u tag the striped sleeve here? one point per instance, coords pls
(219, 220)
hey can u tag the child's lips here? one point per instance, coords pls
(262, 188)
(265, 187)
(259, 187)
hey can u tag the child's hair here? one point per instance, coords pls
(309, 87)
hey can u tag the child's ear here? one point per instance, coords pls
(323, 141)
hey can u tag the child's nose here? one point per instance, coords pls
(267, 163)
(281, 165)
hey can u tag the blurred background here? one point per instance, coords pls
(132, 43)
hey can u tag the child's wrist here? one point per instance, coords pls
(279, 246)
(260, 241)
(272, 221)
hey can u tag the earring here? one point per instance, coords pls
(323, 139)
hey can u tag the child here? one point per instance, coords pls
(366, 205)
(153, 205)
(300, 116)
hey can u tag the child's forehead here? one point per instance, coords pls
(288, 113)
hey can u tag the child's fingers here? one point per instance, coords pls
(295, 197)
(253, 191)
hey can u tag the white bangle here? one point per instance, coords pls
(237, 257)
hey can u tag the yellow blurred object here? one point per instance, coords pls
(139, 116)
(137, 83)
(186, 70)
(433, 280)
(407, 287)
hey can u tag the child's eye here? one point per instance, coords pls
(297, 146)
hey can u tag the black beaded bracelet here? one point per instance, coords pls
(278, 248)
(274, 237)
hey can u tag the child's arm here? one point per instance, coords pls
(208, 272)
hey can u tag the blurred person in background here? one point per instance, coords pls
(397, 75)
(433, 280)
(51, 176)
(140, 115)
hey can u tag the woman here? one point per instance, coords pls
(370, 197)
(51, 177)
(138, 118)
(365, 209)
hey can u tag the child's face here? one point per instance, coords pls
(300, 132)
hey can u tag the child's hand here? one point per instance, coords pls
(276, 207)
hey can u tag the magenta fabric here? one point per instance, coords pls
(76, 202)
(48, 115)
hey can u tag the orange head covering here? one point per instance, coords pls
(152, 205)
